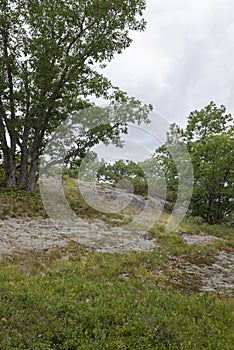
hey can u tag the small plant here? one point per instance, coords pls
(77, 299)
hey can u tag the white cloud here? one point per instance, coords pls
(183, 60)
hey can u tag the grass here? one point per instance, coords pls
(176, 245)
(18, 203)
(197, 225)
(78, 299)
(74, 298)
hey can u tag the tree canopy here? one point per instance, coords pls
(209, 135)
(51, 53)
(209, 139)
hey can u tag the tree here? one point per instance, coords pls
(49, 55)
(168, 165)
(124, 170)
(210, 143)
(209, 135)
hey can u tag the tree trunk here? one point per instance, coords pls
(23, 170)
(32, 178)
(10, 170)
(24, 161)
(35, 153)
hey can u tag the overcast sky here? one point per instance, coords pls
(183, 60)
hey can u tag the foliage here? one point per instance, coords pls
(214, 177)
(49, 55)
(119, 169)
(18, 203)
(210, 143)
(124, 172)
(77, 299)
(164, 171)
(209, 135)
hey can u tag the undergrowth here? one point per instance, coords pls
(74, 298)
(78, 299)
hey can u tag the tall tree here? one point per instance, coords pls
(49, 55)
(209, 135)
(210, 142)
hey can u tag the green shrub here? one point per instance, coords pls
(88, 300)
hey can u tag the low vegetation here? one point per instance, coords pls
(75, 298)
(19, 203)
(78, 299)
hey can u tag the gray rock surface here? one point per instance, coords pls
(42, 234)
(39, 234)
(202, 238)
